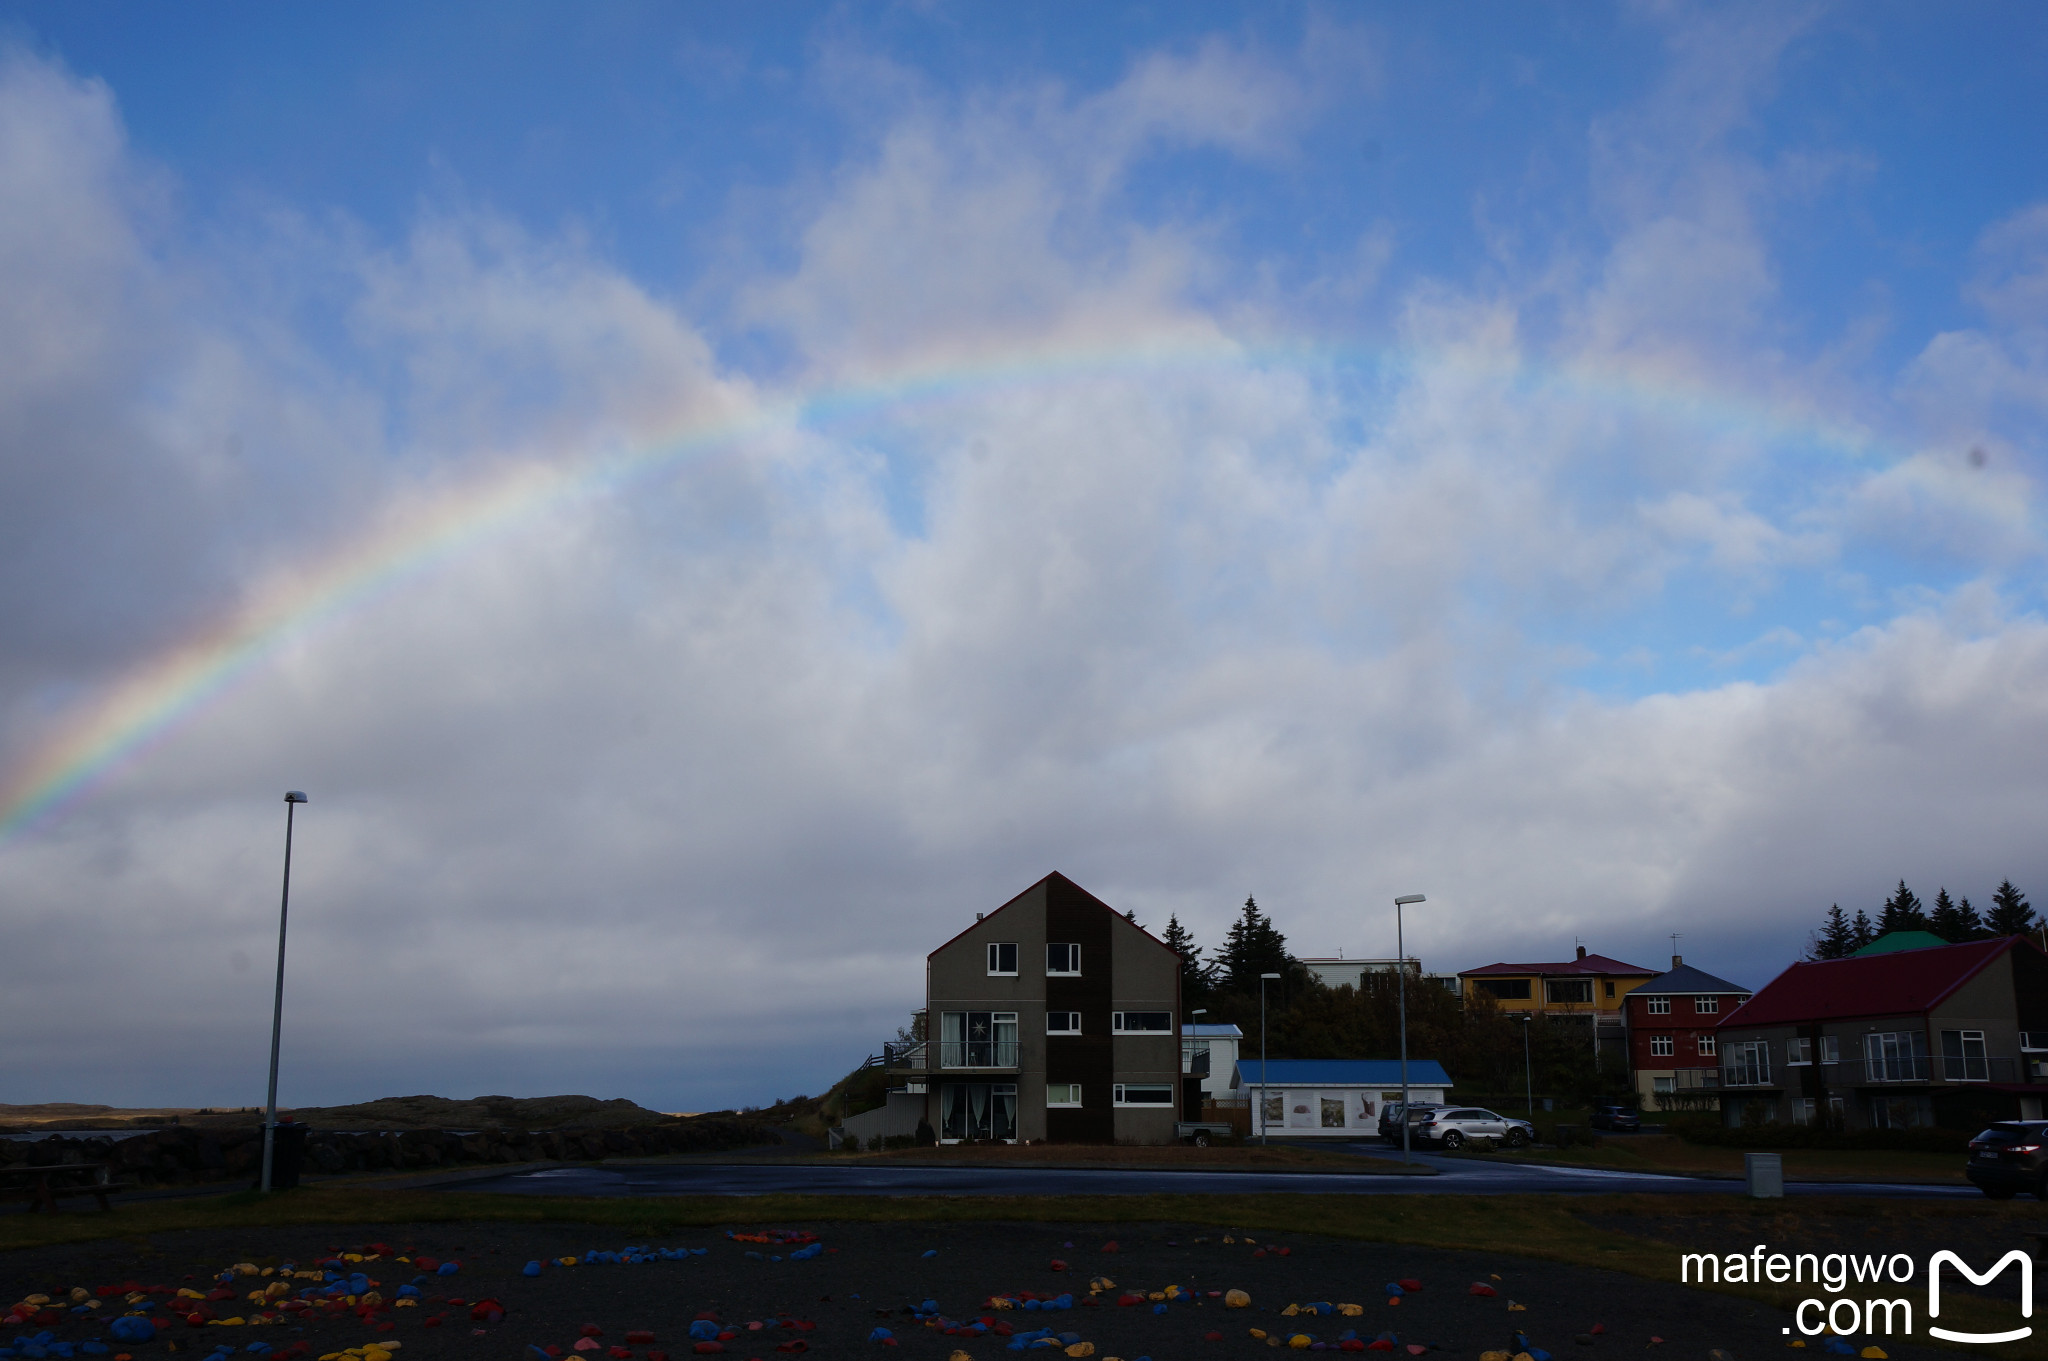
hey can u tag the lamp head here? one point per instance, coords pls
(1269, 975)
(1408, 898)
(295, 796)
(1199, 1011)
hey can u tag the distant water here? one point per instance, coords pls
(115, 1134)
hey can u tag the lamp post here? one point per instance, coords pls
(291, 800)
(1401, 973)
(1262, 1053)
(1528, 1072)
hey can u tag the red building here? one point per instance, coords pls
(1672, 1056)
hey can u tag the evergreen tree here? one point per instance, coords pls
(1253, 947)
(1902, 912)
(1946, 920)
(1835, 939)
(2011, 914)
(1195, 976)
(1861, 932)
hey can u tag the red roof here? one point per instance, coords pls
(1597, 964)
(1904, 982)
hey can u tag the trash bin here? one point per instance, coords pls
(1766, 1175)
(287, 1154)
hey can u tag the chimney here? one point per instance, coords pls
(1582, 952)
(1677, 960)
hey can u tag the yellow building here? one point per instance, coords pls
(1588, 989)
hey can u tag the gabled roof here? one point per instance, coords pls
(1901, 983)
(1057, 877)
(1205, 1031)
(1339, 1073)
(1591, 964)
(1686, 979)
(1901, 940)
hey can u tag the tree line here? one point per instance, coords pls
(1955, 921)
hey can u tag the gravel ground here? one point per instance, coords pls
(869, 1273)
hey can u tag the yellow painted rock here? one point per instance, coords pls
(1351, 1310)
(351, 1257)
(1258, 1332)
(79, 1294)
(1171, 1292)
(1156, 1296)
(184, 1293)
(565, 1261)
(1236, 1299)
(1290, 1311)
(405, 1304)
(248, 1269)
(45, 1299)
(1872, 1354)
(1493, 1356)
(1300, 1341)
(959, 1356)
(1523, 1356)
(1080, 1349)
(1514, 1308)
(1228, 1239)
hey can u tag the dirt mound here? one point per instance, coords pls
(483, 1112)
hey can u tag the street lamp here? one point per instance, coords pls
(1401, 971)
(1262, 1053)
(1528, 1073)
(291, 800)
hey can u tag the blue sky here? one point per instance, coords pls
(1578, 461)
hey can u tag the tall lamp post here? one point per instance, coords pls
(1401, 972)
(1528, 1072)
(291, 802)
(1262, 1053)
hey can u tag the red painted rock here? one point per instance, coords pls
(1409, 1283)
(590, 1330)
(1482, 1288)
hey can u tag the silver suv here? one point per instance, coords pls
(1452, 1126)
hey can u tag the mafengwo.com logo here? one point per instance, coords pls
(1845, 1276)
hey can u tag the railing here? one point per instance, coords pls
(1917, 1068)
(1195, 1065)
(1695, 1079)
(913, 1056)
(978, 1054)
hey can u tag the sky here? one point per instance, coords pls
(704, 499)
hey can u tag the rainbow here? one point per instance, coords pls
(140, 711)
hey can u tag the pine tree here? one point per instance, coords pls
(1902, 912)
(2011, 914)
(1835, 939)
(1195, 976)
(1253, 947)
(1861, 932)
(1947, 921)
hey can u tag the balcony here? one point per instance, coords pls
(978, 1054)
(913, 1057)
(1903, 1068)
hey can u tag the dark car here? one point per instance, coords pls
(2009, 1157)
(1620, 1119)
(1390, 1116)
(1456, 1126)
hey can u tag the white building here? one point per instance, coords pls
(1339, 1098)
(1210, 1053)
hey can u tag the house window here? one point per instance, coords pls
(1706, 1006)
(1706, 1044)
(1568, 990)
(2033, 1039)
(1144, 1094)
(1661, 1047)
(1504, 989)
(1658, 1006)
(1141, 1022)
(1962, 1056)
(1798, 1051)
(978, 1110)
(1062, 1022)
(1661, 1085)
(1062, 1093)
(1610, 991)
(1896, 1056)
(1749, 1064)
(1830, 1049)
(1002, 959)
(977, 1039)
(1063, 961)
(1802, 1110)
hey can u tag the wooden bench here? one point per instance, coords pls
(43, 1187)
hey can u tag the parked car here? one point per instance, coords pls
(1620, 1119)
(1390, 1117)
(1455, 1126)
(2009, 1157)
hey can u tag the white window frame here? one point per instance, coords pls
(1657, 1006)
(1831, 1049)
(1116, 1022)
(1073, 958)
(995, 949)
(1707, 1006)
(1122, 1089)
(1708, 1045)
(1663, 1046)
(1799, 1052)
(1073, 1016)
(1071, 1097)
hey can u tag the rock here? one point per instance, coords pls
(1236, 1299)
(1482, 1288)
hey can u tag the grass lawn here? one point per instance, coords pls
(1667, 1153)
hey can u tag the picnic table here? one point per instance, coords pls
(43, 1187)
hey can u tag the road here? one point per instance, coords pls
(1455, 1176)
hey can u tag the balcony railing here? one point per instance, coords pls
(1899, 1068)
(915, 1056)
(978, 1054)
